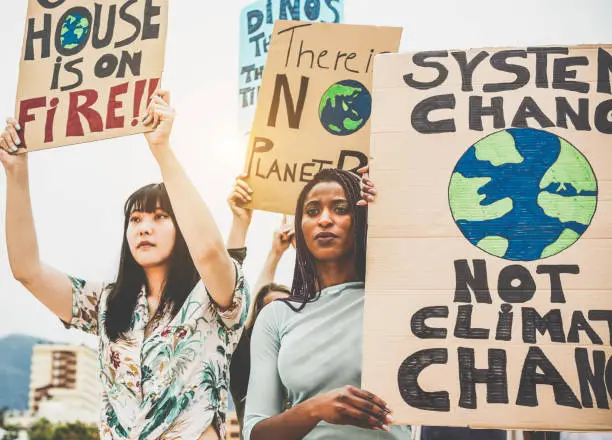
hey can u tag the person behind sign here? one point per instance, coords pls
(307, 349)
(266, 289)
(168, 324)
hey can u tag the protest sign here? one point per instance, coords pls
(256, 23)
(88, 70)
(489, 289)
(314, 106)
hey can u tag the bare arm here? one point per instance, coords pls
(264, 416)
(241, 195)
(280, 244)
(51, 287)
(343, 406)
(197, 224)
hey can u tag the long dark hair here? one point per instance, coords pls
(182, 274)
(306, 280)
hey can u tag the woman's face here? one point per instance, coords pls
(151, 236)
(327, 222)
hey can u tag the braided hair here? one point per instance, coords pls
(306, 280)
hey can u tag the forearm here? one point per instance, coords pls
(238, 233)
(269, 270)
(21, 239)
(199, 229)
(293, 424)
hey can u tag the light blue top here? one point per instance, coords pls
(308, 353)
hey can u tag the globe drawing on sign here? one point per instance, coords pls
(523, 194)
(74, 30)
(345, 107)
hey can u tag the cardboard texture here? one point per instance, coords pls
(314, 107)
(489, 289)
(256, 25)
(87, 70)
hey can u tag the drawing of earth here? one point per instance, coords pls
(345, 107)
(74, 30)
(523, 194)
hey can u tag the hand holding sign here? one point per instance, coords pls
(240, 196)
(367, 187)
(160, 117)
(10, 146)
(353, 406)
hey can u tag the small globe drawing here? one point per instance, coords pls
(74, 30)
(345, 107)
(523, 194)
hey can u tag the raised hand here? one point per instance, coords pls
(282, 240)
(160, 117)
(10, 146)
(368, 190)
(239, 197)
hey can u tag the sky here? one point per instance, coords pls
(78, 192)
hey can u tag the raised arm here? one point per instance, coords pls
(197, 224)
(51, 287)
(280, 243)
(240, 196)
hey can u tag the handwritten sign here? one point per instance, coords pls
(256, 23)
(87, 70)
(314, 106)
(489, 289)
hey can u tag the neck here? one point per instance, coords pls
(156, 276)
(332, 273)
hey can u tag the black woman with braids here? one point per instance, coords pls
(307, 349)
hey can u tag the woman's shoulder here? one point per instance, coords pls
(275, 315)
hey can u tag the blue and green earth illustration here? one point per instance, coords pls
(74, 30)
(345, 107)
(523, 194)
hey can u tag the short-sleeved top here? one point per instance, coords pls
(307, 353)
(173, 383)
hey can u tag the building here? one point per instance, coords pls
(64, 384)
(233, 428)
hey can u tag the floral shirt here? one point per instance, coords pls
(173, 383)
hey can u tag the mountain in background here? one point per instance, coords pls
(15, 360)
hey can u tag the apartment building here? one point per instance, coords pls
(64, 384)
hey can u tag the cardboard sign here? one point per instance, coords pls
(87, 70)
(489, 288)
(314, 107)
(256, 23)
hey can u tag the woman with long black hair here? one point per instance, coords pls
(307, 349)
(168, 324)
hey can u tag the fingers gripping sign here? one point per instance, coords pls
(352, 406)
(368, 190)
(160, 117)
(11, 146)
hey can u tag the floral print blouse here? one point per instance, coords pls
(171, 384)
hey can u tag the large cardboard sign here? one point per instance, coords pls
(314, 106)
(256, 24)
(87, 70)
(489, 285)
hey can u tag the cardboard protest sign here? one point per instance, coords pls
(256, 23)
(489, 289)
(87, 70)
(314, 106)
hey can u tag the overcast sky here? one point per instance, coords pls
(78, 192)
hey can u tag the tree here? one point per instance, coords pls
(41, 430)
(75, 431)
